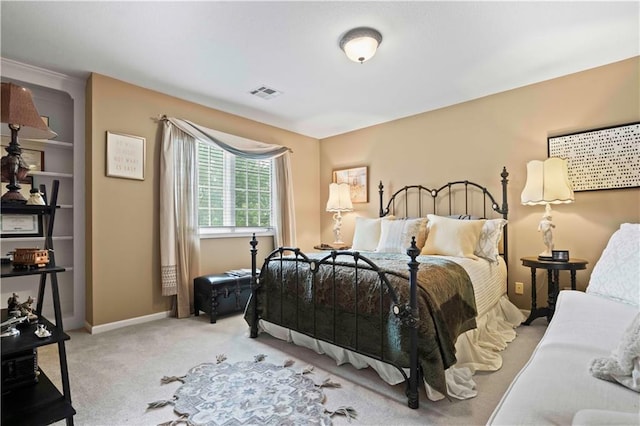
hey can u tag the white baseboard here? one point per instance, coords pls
(124, 323)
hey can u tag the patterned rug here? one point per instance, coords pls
(249, 392)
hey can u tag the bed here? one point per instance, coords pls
(420, 297)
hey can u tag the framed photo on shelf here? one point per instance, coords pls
(21, 225)
(125, 156)
(45, 119)
(34, 159)
(604, 158)
(356, 177)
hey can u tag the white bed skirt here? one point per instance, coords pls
(476, 350)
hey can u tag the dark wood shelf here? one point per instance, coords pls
(8, 208)
(8, 271)
(38, 404)
(28, 340)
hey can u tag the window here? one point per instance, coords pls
(234, 193)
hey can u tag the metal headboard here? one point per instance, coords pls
(448, 190)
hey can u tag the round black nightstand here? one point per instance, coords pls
(331, 247)
(553, 271)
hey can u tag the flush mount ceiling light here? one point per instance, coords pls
(360, 44)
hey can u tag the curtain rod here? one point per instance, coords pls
(158, 118)
(163, 117)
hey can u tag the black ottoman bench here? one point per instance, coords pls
(220, 294)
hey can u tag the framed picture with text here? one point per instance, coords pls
(125, 156)
(21, 225)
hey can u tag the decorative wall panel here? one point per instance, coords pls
(605, 158)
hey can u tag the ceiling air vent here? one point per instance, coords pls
(265, 92)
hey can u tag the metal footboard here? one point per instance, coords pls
(406, 312)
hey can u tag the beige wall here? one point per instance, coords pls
(474, 140)
(122, 215)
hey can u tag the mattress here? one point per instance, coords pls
(489, 280)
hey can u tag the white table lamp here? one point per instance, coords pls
(547, 183)
(339, 201)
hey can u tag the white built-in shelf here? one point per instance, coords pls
(38, 143)
(51, 174)
(62, 99)
(36, 239)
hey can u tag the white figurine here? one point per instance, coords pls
(36, 198)
(546, 228)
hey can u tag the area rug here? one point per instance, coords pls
(250, 393)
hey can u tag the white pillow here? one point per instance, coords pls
(366, 234)
(616, 275)
(452, 237)
(488, 243)
(623, 366)
(395, 235)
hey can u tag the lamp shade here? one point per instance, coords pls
(547, 183)
(360, 44)
(18, 109)
(339, 198)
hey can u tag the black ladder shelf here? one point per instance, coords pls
(40, 403)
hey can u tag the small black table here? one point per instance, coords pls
(329, 247)
(553, 271)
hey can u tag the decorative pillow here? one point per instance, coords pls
(366, 234)
(395, 235)
(616, 275)
(421, 238)
(452, 237)
(488, 246)
(623, 366)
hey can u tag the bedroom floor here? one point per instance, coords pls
(115, 374)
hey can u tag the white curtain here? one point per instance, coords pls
(284, 215)
(179, 241)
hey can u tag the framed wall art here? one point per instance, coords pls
(356, 177)
(125, 156)
(604, 158)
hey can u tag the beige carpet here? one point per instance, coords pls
(115, 374)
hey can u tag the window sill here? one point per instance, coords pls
(226, 233)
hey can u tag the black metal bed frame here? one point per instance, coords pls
(420, 190)
(406, 312)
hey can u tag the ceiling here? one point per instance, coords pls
(433, 54)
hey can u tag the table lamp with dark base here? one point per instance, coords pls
(19, 112)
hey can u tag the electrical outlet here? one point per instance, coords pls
(519, 288)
